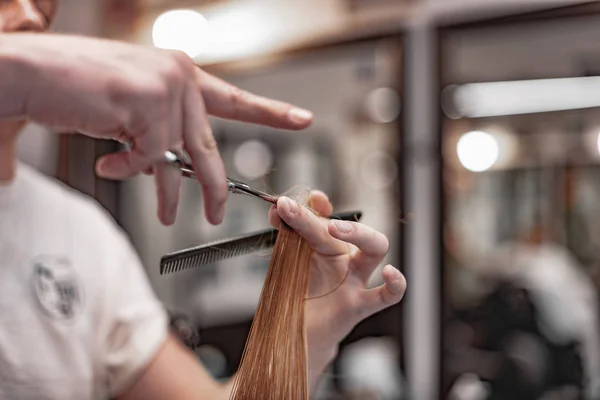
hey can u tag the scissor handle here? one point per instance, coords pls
(232, 185)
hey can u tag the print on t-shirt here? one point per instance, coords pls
(56, 287)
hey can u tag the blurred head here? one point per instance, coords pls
(23, 16)
(26, 15)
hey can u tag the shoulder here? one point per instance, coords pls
(61, 205)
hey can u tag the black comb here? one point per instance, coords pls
(229, 248)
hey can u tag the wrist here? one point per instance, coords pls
(15, 70)
(318, 361)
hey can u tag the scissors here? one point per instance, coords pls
(232, 185)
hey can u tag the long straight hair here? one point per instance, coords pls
(274, 364)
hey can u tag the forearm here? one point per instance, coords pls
(15, 79)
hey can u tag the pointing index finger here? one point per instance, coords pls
(228, 101)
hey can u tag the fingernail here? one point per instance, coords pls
(292, 206)
(343, 226)
(300, 115)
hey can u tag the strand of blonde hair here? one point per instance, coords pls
(274, 364)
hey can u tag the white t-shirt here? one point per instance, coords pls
(78, 319)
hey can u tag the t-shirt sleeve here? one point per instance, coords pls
(136, 323)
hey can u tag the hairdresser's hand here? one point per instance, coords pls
(155, 99)
(346, 255)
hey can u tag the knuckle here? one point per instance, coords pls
(237, 97)
(170, 69)
(182, 63)
(129, 107)
(180, 57)
(158, 93)
(120, 92)
(208, 144)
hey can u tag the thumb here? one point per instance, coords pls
(121, 165)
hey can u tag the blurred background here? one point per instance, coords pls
(467, 131)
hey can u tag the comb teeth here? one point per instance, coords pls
(217, 251)
(229, 248)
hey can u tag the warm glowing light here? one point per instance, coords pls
(184, 30)
(477, 151)
(239, 31)
(487, 99)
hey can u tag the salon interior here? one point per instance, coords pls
(467, 131)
